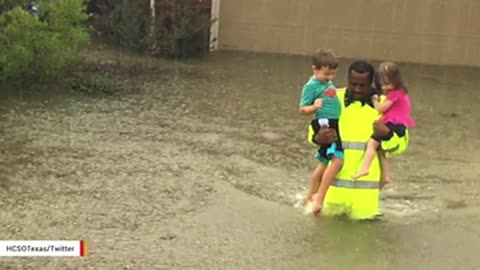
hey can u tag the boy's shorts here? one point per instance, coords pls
(326, 151)
(398, 129)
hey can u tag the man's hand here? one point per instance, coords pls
(318, 103)
(380, 129)
(326, 135)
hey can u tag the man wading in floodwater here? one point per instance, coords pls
(358, 199)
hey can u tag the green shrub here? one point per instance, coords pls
(6, 5)
(33, 48)
(181, 27)
(130, 24)
(96, 84)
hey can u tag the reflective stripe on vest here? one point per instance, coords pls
(356, 184)
(354, 145)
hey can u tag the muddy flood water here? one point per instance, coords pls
(198, 168)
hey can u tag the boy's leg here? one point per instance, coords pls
(327, 179)
(385, 168)
(372, 147)
(314, 182)
(316, 177)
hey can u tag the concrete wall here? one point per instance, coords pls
(424, 31)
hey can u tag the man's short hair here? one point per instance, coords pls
(325, 58)
(362, 67)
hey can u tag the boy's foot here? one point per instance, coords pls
(385, 181)
(317, 205)
(303, 203)
(360, 174)
(305, 199)
(302, 200)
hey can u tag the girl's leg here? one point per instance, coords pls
(327, 179)
(314, 182)
(372, 147)
(385, 167)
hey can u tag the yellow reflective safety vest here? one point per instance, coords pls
(358, 199)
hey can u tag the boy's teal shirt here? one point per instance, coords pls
(313, 89)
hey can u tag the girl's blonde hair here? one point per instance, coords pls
(389, 72)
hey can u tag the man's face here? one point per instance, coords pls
(359, 84)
